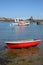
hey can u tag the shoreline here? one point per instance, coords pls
(4, 19)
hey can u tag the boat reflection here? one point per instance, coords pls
(23, 52)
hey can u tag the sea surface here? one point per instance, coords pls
(23, 56)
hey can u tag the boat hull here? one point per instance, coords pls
(22, 24)
(22, 44)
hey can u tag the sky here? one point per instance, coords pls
(21, 8)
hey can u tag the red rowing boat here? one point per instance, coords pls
(22, 44)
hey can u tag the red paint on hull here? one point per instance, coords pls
(23, 44)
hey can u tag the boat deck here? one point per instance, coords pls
(22, 41)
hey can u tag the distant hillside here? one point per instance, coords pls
(6, 19)
(33, 20)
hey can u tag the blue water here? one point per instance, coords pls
(33, 31)
(13, 33)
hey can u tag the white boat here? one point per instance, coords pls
(13, 24)
(20, 23)
(27, 23)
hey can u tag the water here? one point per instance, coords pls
(28, 56)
